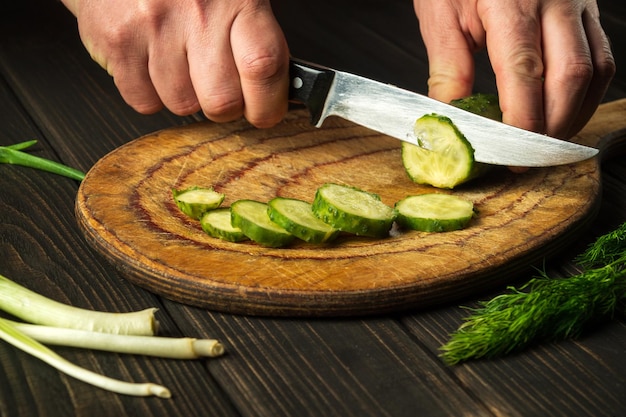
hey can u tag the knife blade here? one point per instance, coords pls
(393, 111)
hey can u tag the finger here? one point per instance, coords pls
(169, 71)
(125, 58)
(603, 70)
(514, 47)
(213, 71)
(568, 68)
(132, 79)
(450, 55)
(262, 60)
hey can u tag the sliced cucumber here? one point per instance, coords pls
(444, 158)
(434, 212)
(482, 104)
(448, 159)
(216, 223)
(251, 217)
(195, 201)
(353, 210)
(296, 216)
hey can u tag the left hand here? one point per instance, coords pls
(551, 58)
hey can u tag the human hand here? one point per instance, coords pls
(551, 58)
(227, 58)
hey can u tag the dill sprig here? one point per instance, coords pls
(545, 308)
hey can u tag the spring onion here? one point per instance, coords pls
(163, 347)
(20, 302)
(27, 344)
(13, 155)
(61, 324)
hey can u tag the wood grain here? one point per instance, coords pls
(125, 209)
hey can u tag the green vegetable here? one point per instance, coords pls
(195, 201)
(27, 344)
(217, 223)
(163, 347)
(61, 324)
(444, 157)
(252, 218)
(15, 299)
(13, 155)
(546, 309)
(353, 210)
(482, 104)
(434, 212)
(296, 216)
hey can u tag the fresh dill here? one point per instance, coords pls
(545, 308)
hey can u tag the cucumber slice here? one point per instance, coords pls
(446, 158)
(216, 223)
(251, 217)
(450, 161)
(296, 216)
(195, 201)
(482, 104)
(434, 212)
(353, 210)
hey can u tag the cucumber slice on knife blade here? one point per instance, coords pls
(251, 217)
(434, 212)
(296, 216)
(445, 158)
(353, 210)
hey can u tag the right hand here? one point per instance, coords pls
(228, 58)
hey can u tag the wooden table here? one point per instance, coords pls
(375, 366)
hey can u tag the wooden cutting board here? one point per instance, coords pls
(125, 209)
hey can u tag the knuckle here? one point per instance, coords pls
(606, 68)
(264, 121)
(528, 64)
(578, 72)
(222, 107)
(184, 107)
(259, 67)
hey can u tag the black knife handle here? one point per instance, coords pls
(309, 84)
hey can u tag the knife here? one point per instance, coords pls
(393, 111)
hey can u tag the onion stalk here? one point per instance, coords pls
(13, 155)
(35, 308)
(163, 347)
(60, 324)
(27, 344)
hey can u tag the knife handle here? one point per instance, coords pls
(309, 84)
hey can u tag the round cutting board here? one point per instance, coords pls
(126, 211)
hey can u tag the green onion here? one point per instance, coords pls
(61, 324)
(163, 347)
(35, 308)
(18, 339)
(13, 155)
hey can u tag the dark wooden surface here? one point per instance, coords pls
(50, 90)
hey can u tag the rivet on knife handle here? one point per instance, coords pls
(310, 84)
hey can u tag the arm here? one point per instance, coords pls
(551, 58)
(227, 58)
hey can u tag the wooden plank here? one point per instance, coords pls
(327, 367)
